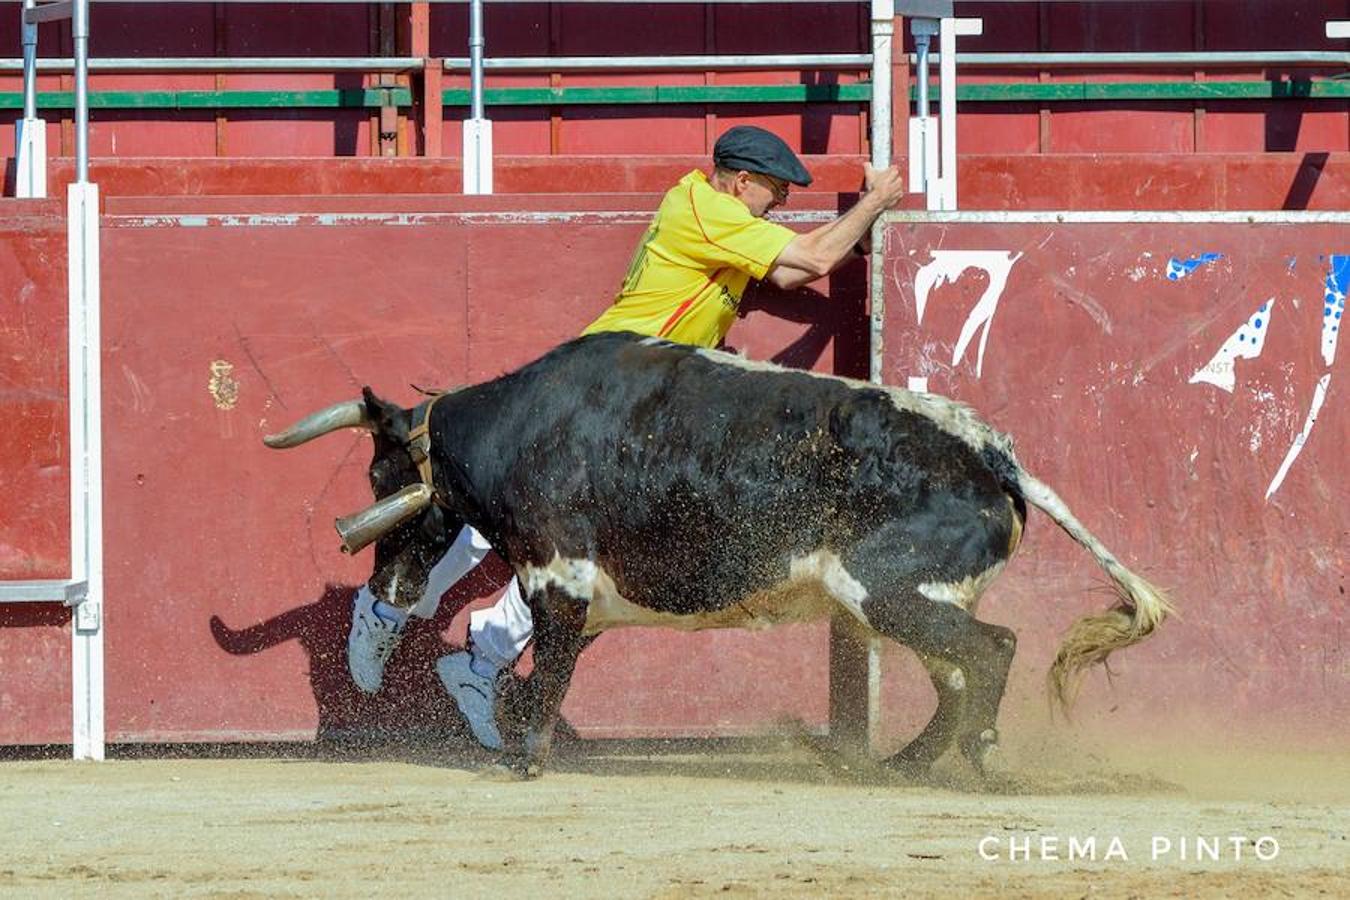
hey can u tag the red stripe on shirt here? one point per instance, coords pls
(704, 232)
(684, 307)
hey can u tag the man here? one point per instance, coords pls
(709, 238)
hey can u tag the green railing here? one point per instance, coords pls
(861, 92)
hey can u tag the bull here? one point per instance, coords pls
(631, 481)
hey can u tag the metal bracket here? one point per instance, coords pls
(88, 616)
(64, 591)
(928, 9)
(48, 12)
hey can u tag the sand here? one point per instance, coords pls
(775, 817)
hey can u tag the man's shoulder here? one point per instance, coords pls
(694, 193)
(692, 188)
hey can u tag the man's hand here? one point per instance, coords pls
(885, 183)
(817, 253)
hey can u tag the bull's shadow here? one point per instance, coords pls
(412, 706)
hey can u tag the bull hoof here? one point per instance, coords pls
(909, 768)
(512, 768)
(981, 750)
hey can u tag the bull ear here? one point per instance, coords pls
(388, 420)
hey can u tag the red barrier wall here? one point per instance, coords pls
(226, 595)
(34, 525)
(227, 598)
(1088, 356)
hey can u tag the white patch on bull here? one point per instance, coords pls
(575, 577)
(839, 584)
(945, 671)
(816, 585)
(391, 595)
(955, 418)
(965, 593)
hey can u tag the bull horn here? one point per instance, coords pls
(378, 519)
(348, 414)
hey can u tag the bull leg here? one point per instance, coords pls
(937, 736)
(957, 641)
(979, 735)
(558, 641)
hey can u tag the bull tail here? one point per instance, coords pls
(1141, 609)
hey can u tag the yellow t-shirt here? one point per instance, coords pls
(687, 277)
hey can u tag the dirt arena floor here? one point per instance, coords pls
(774, 817)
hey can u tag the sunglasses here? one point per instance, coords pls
(777, 186)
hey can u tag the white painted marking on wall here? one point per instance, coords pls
(1319, 395)
(947, 266)
(1245, 343)
(918, 383)
(1178, 269)
(341, 219)
(1333, 305)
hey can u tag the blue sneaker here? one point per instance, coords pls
(474, 694)
(376, 631)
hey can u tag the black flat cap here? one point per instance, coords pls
(756, 150)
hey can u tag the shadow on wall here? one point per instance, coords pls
(838, 317)
(1305, 181)
(816, 118)
(411, 701)
(345, 129)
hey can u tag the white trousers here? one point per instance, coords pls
(498, 634)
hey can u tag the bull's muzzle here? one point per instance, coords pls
(378, 519)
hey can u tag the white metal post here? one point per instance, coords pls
(477, 129)
(86, 419)
(30, 132)
(932, 145)
(883, 34)
(923, 133)
(883, 48)
(86, 482)
(855, 661)
(947, 34)
(946, 192)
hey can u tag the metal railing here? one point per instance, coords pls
(709, 62)
(1183, 59)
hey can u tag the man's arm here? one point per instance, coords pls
(819, 252)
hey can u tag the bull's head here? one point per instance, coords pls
(409, 530)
